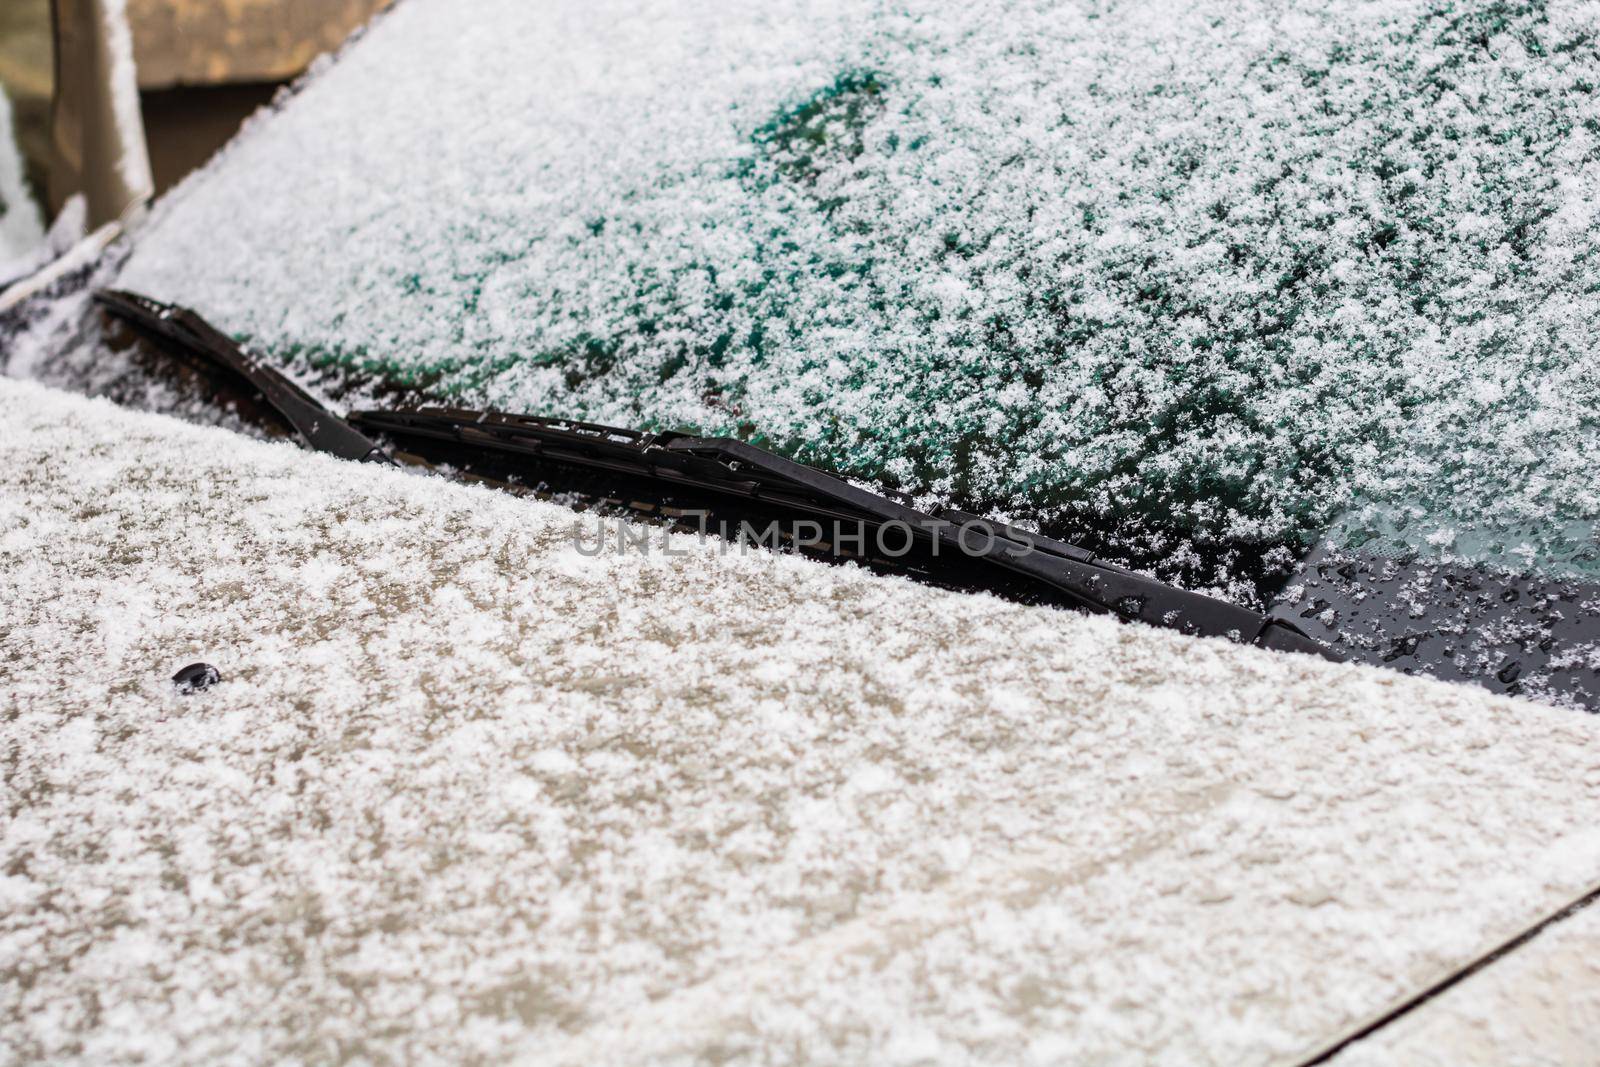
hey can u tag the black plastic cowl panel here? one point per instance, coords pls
(1516, 634)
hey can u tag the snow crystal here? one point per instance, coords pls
(459, 800)
(1234, 270)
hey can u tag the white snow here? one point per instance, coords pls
(21, 229)
(1246, 268)
(1536, 1006)
(122, 79)
(466, 795)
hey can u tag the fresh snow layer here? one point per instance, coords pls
(466, 794)
(1248, 270)
(1537, 1006)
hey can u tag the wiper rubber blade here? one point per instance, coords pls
(321, 429)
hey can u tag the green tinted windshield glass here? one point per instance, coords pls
(1197, 274)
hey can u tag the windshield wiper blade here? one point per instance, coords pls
(320, 428)
(724, 467)
(736, 469)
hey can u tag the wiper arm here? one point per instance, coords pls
(320, 428)
(743, 471)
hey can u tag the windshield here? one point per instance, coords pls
(1235, 275)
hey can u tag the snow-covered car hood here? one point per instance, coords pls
(467, 793)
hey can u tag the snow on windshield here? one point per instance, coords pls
(1231, 271)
